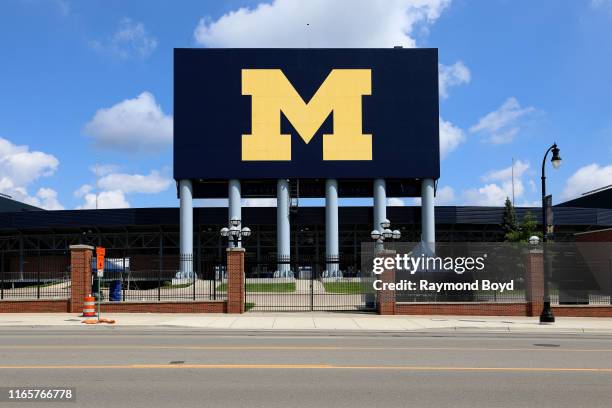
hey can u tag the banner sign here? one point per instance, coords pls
(306, 113)
(100, 253)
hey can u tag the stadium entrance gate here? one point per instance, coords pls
(306, 284)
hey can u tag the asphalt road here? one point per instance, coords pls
(135, 367)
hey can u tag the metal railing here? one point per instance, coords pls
(306, 283)
(181, 278)
(34, 275)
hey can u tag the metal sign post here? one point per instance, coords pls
(100, 252)
(550, 228)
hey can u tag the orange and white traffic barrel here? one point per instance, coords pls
(89, 306)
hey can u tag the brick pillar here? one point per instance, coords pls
(534, 282)
(235, 280)
(80, 275)
(385, 299)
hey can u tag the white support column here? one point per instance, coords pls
(186, 228)
(283, 231)
(428, 222)
(331, 228)
(380, 207)
(234, 205)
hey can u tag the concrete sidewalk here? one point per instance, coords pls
(321, 321)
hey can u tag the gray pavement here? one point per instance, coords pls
(131, 366)
(321, 321)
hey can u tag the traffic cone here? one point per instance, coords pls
(89, 306)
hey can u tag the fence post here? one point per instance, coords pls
(385, 299)
(80, 275)
(2, 277)
(124, 289)
(193, 275)
(235, 280)
(38, 277)
(534, 282)
(161, 264)
(609, 279)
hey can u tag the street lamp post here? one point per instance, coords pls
(379, 237)
(547, 314)
(235, 233)
(385, 233)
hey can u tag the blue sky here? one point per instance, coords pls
(90, 82)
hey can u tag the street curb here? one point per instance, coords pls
(439, 330)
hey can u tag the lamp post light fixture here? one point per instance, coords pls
(234, 232)
(385, 233)
(547, 315)
(534, 240)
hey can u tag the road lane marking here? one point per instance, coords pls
(317, 348)
(305, 367)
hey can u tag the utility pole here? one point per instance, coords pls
(97, 184)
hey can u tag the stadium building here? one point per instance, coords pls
(284, 124)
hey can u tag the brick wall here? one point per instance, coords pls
(465, 309)
(213, 306)
(385, 299)
(534, 282)
(595, 236)
(35, 306)
(80, 275)
(235, 280)
(582, 311)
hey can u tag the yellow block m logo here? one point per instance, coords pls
(272, 93)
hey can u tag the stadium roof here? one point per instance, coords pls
(600, 198)
(7, 204)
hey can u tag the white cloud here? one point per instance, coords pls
(532, 185)
(19, 167)
(492, 194)
(83, 190)
(152, 183)
(321, 23)
(452, 75)
(450, 137)
(47, 198)
(520, 168)
(105, 199)
(246, 202)
(22, 166)
(103, 169)
(113, 188)
(132, 125)
(444, 196)
(130, 40)
(210, 202)
(533, 203)
(395, 202)
(503, 124)
(498, 186)
(587, 178)
(259, 202)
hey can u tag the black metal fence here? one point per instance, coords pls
(580, 272)
(307, 284)
(43, 274)
(172, 278)
(576, 273)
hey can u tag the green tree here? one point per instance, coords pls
(527, 228)
(509, 222)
